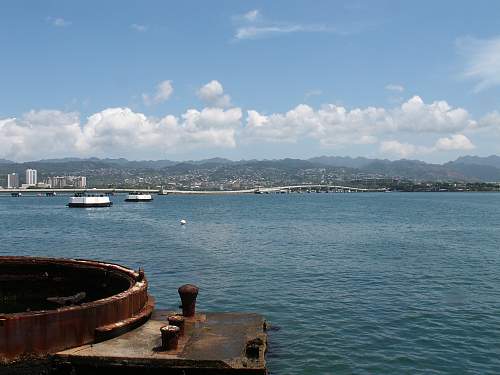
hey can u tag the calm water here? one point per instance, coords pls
(396, 283)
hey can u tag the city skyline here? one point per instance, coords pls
(50, 181)
(250, 80)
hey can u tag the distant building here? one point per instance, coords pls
(80, 182)
(59, 182)
(12, 181)
(31, 177)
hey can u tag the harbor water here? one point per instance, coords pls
(365, 283)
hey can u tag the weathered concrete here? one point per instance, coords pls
(213, 343)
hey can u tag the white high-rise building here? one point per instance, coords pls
(12, 181)
(80, 182)
(31, 178)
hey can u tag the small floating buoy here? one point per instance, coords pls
(183, 222)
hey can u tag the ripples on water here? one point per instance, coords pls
(358, 283)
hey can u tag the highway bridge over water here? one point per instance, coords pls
(309, 188)
(316, 189)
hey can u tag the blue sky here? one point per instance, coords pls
(249, 79)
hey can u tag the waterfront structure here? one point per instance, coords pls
(39, 309)
(31, 177)
(12, 181)
(114, 327)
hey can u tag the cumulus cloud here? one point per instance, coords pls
(117, 132)
(394, 87)
(122, 132)
(163, 92)
(213, 94)
(482, 61)
(402, 149)
(456, 142)
(439, 116)
(48, 132)
(336, 125)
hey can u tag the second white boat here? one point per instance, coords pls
(138, 197)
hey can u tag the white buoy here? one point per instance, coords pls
(183, 222)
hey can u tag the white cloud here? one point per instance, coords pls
(58, 21)
(456, 142)
(490, 120)
(255, 32)
(482, 61)
(252, 15)
(334, 125)
(213, 94)
(47, 132)
(163, 92)
(138, 27)
(121, 132)
(394, 87)
(116, 132)
(402, 149)
(252, 25)
(437, 117)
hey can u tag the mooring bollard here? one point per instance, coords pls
(188, 295)
(178, 321)
(169, 337)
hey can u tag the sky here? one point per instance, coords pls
(249, 79)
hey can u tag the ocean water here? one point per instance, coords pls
(399, 283)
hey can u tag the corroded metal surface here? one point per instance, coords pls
(188, 294)
(116, 297)
(213, 343)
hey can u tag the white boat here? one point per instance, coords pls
(89, 200)
(138, 197)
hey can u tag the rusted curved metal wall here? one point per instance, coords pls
(43, 332)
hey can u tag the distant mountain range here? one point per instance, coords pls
(465, 168)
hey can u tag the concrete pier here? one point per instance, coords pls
(213, 343)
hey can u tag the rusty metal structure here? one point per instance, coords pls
(188, 294)
(48, 305)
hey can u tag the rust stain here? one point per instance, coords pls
(37, 333)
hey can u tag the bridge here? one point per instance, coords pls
(316, 188)
(259, 190)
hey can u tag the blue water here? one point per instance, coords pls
(400, 283)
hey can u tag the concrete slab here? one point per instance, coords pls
(218, 343)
